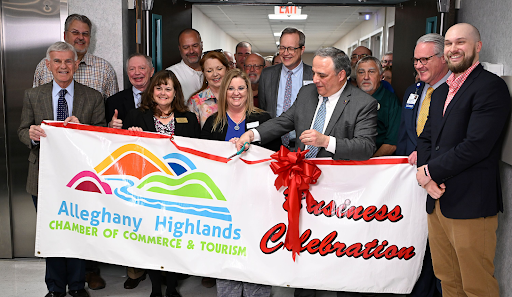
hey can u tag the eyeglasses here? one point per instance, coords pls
(386, 61)
(239, 89)
(78, 33)
(423, 61)
(290, 49)
(256, 67)
(354, 56)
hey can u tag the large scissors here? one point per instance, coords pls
(243, 149)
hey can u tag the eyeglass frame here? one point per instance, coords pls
(415, 61)
(256, 67)
(290, 49)
(356, 56)
(78, 33)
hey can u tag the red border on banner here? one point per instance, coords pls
(376, 161)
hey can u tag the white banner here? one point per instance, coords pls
(132, 199)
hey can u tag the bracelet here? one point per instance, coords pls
(425, 168)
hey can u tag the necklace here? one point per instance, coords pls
(166, 117)
(237, 127)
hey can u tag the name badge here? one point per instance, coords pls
(181, 120)
(411, 101)
(307, 82)
(253, 125)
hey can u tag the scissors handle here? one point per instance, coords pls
(243, 149)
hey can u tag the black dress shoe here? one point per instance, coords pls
(55, 294)
(132, 283)
(172, 294)
(79, 293)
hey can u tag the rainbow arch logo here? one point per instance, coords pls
(134, 174)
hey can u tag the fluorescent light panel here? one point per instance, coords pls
(287, 17)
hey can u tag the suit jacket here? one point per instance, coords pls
(463, 147)
(407, 137)
(353, 123)
(122, 101)
(206, 132)
(268, 87)
(88, 107)
(144, 119)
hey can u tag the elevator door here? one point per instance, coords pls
(28, 28)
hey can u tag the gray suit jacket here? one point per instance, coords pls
(88, 107)
(268, 88)
(353, 123)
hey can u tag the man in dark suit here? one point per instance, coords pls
(139, 68)
(350, 124)
(333, 118)
(433, 71)
(280, 84)
(458, 157)
(65, 100)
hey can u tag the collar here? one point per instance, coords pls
(88, 59)
(56, 89)
(440, 82)
(453, 81)
(209, 93)
(195, 71)
(136, 91)
(294, 70)
(334, 96)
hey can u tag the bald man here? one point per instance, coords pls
(458, 164)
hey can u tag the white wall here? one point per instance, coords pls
(378, 20)
(212, 35)
(107, 39)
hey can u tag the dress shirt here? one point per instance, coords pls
(137, 96)
(191, 80)
(297, 76)
(425, 88)
(330, 105)
(69, 98)
(92, 71)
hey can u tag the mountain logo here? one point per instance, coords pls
(134, 174)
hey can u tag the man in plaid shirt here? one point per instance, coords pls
(93, 71)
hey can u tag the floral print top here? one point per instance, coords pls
(166, 129)
(203, 104)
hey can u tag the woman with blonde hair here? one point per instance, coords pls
(236, 111)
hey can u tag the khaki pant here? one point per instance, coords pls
(134, 273)
(463, 254)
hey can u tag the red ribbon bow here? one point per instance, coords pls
(296, 173)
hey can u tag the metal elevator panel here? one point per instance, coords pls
(28, 28)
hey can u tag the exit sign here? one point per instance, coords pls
(287, 10)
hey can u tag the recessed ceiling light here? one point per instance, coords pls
(278, 34)
(287, 17)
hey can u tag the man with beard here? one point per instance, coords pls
(188, 71)
(458, 158)
(369, 71)
(93, 71)
(280, 84)
(254, 64)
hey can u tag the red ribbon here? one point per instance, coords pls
(296, 173)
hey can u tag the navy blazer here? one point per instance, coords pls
(407, 138)
(463, 147)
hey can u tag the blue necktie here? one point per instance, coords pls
(62, 106)
(318, 126)
(285, 139)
